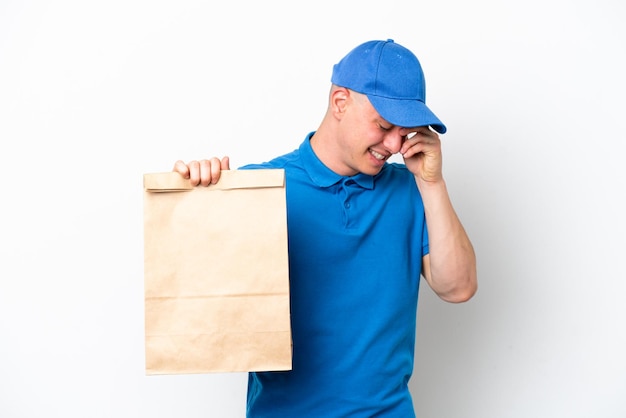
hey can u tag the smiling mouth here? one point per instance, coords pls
(377, 155)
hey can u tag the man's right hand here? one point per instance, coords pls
(203, 172)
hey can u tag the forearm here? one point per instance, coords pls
(451, 265)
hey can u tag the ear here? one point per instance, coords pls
(339, 98)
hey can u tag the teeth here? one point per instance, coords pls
(377, 155)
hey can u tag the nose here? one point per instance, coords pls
(393, 141)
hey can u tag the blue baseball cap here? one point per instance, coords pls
(392, 79)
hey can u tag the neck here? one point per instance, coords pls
(325, 146)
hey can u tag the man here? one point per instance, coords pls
(361, 231)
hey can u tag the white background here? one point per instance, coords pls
(93, 94)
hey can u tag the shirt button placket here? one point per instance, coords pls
(347, 205)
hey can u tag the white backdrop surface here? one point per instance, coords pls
(94, 94)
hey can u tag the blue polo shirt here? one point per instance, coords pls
(355, 256)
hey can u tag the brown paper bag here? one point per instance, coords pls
(216, 274)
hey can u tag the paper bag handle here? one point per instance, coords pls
(173, 181)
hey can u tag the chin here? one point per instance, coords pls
(372, 171)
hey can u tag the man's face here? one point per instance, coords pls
(366, 140)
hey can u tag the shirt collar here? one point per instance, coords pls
(323, 176)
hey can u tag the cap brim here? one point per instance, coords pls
(406, 113)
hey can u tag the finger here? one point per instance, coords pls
(194, 172)
(205, 172)
(181, 167)
(415, 129)
(412, 149)
(216, 169)
(413, 144)
(420, 140)
(226, 163)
